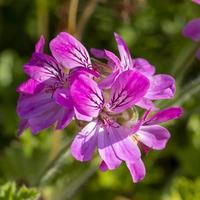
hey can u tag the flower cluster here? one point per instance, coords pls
(106, 96)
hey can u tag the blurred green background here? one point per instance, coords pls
(152, 29)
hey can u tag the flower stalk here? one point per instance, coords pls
(182, 66)
(51, 170)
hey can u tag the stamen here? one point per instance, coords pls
(135, 138)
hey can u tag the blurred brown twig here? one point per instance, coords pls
(73, 7)
(83, 20)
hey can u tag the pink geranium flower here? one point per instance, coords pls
(104, 132)
(162, 86)
(45, 97)
(64, 86)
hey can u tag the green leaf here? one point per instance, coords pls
(27, 194)
(9, 191)
(27, 155)
(183, 188)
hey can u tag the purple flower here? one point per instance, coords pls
(104, 132)
(196, 1)
(66, 86)
(162, 86)
(45, 98)
(192, 31)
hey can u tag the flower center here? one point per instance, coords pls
(126, 118)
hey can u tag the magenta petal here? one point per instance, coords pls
(30, 105)
(128, 89)
(69, 51)
(87, 97)
(146, 104)
(103, 167)
(39, 47)
(80, 71)
(42, 67)
(154, 136)
(62, 97)
(113, 60)
(44, 120)
(84, 143)
(165, 115)
(65, 117)
(106, 150)
(23, 124)
(123, 145)
(196, 1)
(143, 66)
(40, 110)
(192, 29)
(98, 53)
(79, 116)
(126, 60)
(137, 170)
(107, 82)
(161, 87)
(31, 86)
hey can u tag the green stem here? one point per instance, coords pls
(53, 166)
(71, 190)
(42, 17)
(84, 18)
(181, 66)
(186, 93)
(184, 61)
